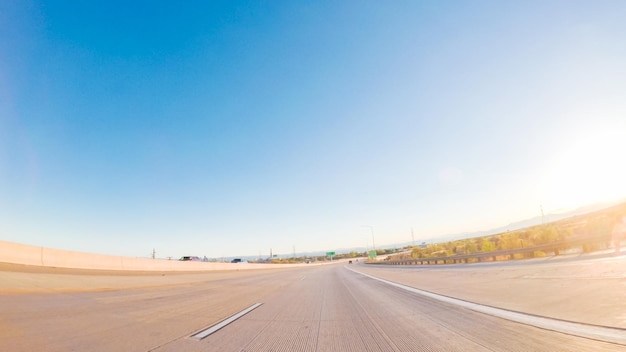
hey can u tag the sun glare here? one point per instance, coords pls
(590, 169)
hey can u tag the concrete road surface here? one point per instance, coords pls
(321, 308)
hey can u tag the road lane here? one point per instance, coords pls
(322, 308)
(134, 319)
(334, 309)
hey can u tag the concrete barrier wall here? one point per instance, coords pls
(17, 253)
(20, 253)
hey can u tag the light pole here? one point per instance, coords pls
(371, 229)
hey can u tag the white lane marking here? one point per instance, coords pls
(211, 329)
(607, 334)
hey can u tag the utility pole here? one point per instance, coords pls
(153, 253)
(371, 229)
(412, 237)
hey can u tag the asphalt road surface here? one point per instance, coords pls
(313, 308)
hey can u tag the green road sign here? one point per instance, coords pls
(328, 254)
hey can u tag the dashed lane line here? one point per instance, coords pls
(213, 328)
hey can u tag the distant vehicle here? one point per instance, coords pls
(236, 260)
(349, 261)
(192, 258)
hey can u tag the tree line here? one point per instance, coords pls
(590, 225)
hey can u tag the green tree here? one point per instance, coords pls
(471, 246)
(487, 246)
(509, 240)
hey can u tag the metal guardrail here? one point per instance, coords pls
(555, 247)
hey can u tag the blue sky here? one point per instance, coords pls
(230, 128)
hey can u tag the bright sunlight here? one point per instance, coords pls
(591, 168)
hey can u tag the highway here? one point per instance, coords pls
(312, 308)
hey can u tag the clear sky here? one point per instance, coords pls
(229, 128)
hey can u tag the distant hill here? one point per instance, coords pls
(537, 220)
